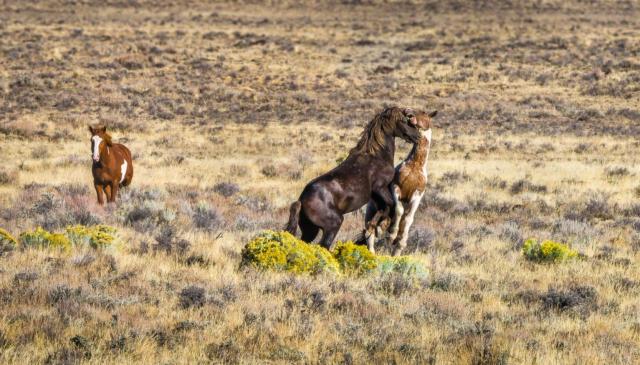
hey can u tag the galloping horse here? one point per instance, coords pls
(407, 188)
(112, 165)
(365, 174)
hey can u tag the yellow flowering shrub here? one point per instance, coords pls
(355, 259)
(95, 236)
(6, 238)
(43, 238)
(79, 235)
(280, 251)
(547, 251)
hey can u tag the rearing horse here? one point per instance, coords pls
(365, 174)
(112, 165)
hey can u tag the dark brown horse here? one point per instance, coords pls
(112, 165)
(365, 174)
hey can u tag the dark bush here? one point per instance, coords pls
(420, 240)
(206, 218)
(525, 185)
(226, 189)
(269, 171)
(597, 207)
(168, 242)
(582, 297)
(617, 172)
(192, 296)
(61, 293)
(226, 352)
(8, 178)
(25, 277)
(510, 232)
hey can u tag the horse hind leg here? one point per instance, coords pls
(308, 229)
(330, 230)
(399, 211)
(406, 223)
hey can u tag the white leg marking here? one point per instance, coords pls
(96, 147)
(395, 225)
(415, 202)
(371, 242)
(123, 171)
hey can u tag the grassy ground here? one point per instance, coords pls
(230, 109)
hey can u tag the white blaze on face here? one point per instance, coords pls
(96, 147)
(123, 170)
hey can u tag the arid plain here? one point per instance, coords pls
(230, 108)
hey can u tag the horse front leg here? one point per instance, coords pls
(107, 192)
(99, 191)
(370, 230)
(384, 202)
(114, 191)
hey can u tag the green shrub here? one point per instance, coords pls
(357, 260)
(403, 265)
(95, 236)
(547, 251)
(42, 238)
(280, 251)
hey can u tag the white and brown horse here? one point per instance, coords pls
(408, 187)
(112, 165)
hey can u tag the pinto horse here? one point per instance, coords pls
(112, 165)
(407, 189)
(365, 174)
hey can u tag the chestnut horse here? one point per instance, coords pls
(365, 174)
(407, 189)
(112, 165)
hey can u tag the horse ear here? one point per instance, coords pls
(103, 129)
(433, 114)
(91, 130)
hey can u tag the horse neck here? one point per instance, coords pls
(106, 154)
(389, 149)
(420, 153)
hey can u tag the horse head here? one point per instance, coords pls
(412, 124)
(99, 141)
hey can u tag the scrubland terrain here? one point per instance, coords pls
(229, 109)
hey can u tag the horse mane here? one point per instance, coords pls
(372, 139)
(107, 139)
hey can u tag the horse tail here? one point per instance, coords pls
(361, 239)
(294, 215)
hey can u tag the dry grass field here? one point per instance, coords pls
(230, 108)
